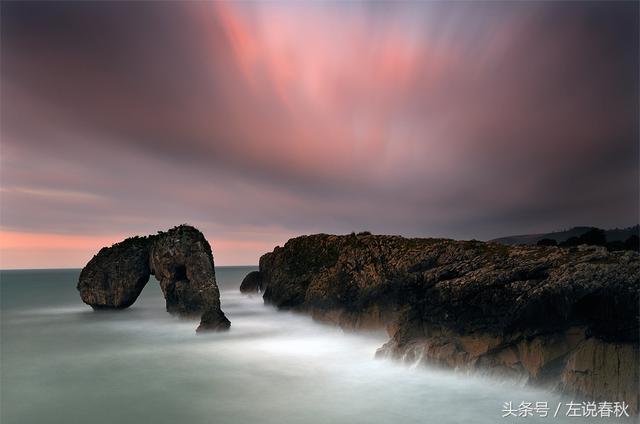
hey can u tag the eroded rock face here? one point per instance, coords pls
(603, 370)
(526, 312)
(181, 260)
(114, 278)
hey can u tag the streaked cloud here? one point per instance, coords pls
(258, 121)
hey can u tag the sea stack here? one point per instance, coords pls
(181, 259)
(562, 318)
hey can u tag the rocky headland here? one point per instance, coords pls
(181, 260)
(562, 318)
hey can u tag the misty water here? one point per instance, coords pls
(63, 363)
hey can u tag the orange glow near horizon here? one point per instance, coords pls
(22, 250)
(21, 240)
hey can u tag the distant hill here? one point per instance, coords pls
(617, 234)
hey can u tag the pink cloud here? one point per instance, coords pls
(257, 121)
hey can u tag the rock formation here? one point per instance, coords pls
(114, 278)
(180, 259)
(252, 283)
(562, 318)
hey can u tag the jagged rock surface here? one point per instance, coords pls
(114, 278)
(552, 316)
(181, 259)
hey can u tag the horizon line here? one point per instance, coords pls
(80, 268)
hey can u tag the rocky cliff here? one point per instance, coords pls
(180, 259)
(563, 318)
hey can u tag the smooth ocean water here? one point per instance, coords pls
(63, 363)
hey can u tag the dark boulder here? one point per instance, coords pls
(252, 283)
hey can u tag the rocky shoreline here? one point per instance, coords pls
(561, 318)
(181, 260)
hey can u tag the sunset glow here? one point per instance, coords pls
(258, 121)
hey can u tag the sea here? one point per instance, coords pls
(61, 362)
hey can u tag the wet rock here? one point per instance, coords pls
(181, 260)
(605, 371)
(252, 283)
(517, 311)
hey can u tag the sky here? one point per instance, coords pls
(260, 121)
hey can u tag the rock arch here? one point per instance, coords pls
(181, 260)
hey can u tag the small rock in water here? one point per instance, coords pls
(252, 283)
